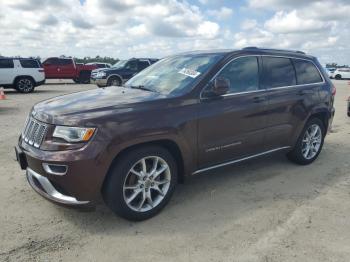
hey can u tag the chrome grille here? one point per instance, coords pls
(34, 132)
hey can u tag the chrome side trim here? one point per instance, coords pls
(50, 192)
(239, 160)
(48, 169)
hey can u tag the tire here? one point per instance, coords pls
(126, 191)
(338, 77)
(114, 81)
(25, 85)
(76, 80)
(84, 77)
(300, 153)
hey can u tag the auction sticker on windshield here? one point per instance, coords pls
(189, 72)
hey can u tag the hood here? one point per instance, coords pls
(67, 109)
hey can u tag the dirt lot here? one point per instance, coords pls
(262, 210)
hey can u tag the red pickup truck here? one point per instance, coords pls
(66, 68)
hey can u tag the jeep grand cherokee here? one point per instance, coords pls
(185, 114)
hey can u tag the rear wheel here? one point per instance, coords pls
(25, 85)
(84, 77)
(309, 144)
(114, 81)
(338, 77)
(141, 183)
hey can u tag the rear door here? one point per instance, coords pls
(66, 68)
(232, 126)
(33, 68)
(7, 71)
(290, 98)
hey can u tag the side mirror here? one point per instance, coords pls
(220, 86)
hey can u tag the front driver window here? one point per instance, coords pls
(243, 74)
(131, 65)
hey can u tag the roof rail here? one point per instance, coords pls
(272, 49)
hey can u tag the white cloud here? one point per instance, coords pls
(249, 24)
(222, 13)
(127, 28)
(291, 22)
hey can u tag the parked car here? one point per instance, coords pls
(100, 65)
(22, 74)
(186, 114)
(120, 72)
(341, 73)
(66, 68)
(330, 71)
(349, 106)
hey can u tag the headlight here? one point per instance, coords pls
(101, 74)
(73, 134)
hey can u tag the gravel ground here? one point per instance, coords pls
(265, 210)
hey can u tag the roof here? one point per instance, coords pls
(245, 49)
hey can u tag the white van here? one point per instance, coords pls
(22, 74)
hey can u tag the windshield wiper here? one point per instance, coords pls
(142, 88)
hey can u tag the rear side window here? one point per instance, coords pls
(65, 61)
(243, 74)
(51, 61)
(6, 63)
(278, 72)
(307, 72)
(29, 63)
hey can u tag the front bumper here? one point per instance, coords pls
(46, 189)
(98, 81)
(79, 184)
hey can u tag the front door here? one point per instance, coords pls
(232, 126)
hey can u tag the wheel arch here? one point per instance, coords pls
(323, 115)
(117, 76)
(168, 144)
(24, 76)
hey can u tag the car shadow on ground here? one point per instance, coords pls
(229, 193)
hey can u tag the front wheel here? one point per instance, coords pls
(309, 144)
(141, 183)
(338, 77)
(114, 81)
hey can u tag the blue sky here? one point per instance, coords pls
(131, 28)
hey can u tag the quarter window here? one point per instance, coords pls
(306, 71)
(6, 63)
(278, 72)
(243, 74)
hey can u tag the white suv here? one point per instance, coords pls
(23, 74)
(341, 73)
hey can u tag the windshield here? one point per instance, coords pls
(174, 75)
(120, 64)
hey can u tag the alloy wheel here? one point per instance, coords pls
(312, 140)
(25, 85)
(146, 183)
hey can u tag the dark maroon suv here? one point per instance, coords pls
(184, 115)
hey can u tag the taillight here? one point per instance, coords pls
(334, 90)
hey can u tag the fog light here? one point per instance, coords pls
(53, 169)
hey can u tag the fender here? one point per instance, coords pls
(117, 75)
